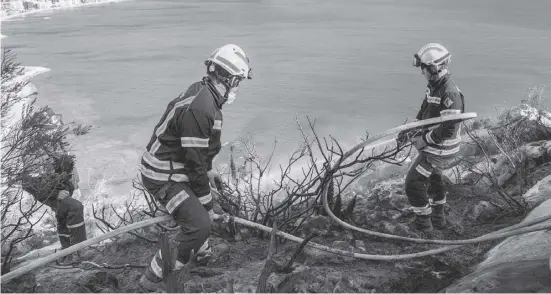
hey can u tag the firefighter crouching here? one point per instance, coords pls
(176, 166)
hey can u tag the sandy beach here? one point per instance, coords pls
(17, 15)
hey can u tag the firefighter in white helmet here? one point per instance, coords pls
(176, 166)
(438, 146)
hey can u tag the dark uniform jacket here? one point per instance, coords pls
(186, 139)
(442, 98)
(45, 188)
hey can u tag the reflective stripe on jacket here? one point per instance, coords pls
(186, 139)
(442, 98)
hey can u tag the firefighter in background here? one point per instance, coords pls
(56, 185)
(176, 166)
(437, 147)
(54, 188)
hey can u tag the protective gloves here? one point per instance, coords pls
(418, 143)
(62, 195)
(215, 180)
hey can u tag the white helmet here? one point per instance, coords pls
(230, 65)
(433, 56)
(233, 59)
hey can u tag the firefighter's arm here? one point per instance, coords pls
(195, 130)
(63, 187)
(403, 136)
(451, 104)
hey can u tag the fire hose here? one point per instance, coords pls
(488, 237)
(507, 232)
(529, 226)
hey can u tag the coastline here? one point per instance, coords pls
(336, 270)
(29, 72)
(16, 15)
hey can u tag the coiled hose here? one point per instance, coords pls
(516, 229)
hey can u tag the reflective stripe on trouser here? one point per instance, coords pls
(70, 227)
(189, 212)
(64, 236)
(425, 174)
(154, 271)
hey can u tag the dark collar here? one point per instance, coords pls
(219, 99)
(439, 82)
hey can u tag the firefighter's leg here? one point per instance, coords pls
(194, 222)
(75, 220)
(438, 188)
(417, 181)
(205, 251)
(152, 277)
(64, 235)
(62, 231)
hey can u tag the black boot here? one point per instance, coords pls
(438, 216)
(64, 239)
(151, 283)
(422, 223)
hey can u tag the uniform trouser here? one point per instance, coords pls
(190, 213)
(69, 214)
(425, 177)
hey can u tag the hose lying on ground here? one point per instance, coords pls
(503, 233)
(395, 237)
(506, 232)
(483, 238)
(47, 259)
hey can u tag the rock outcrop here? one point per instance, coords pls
(535, 149)
(539, 193)
(520, 263)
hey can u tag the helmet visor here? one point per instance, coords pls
(233, 81)
(416, 60)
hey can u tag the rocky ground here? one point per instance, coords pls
(473, 210)
(315, 270)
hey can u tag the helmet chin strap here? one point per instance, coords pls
(220, 88)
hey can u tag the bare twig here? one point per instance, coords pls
(288, 267)
(28, 145)
(270, 265)
(105, 222)
(229, 285)
(91, 265)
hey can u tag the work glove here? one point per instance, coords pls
(215, 180)
(404, 137)
(418, 143)
(62, 195)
